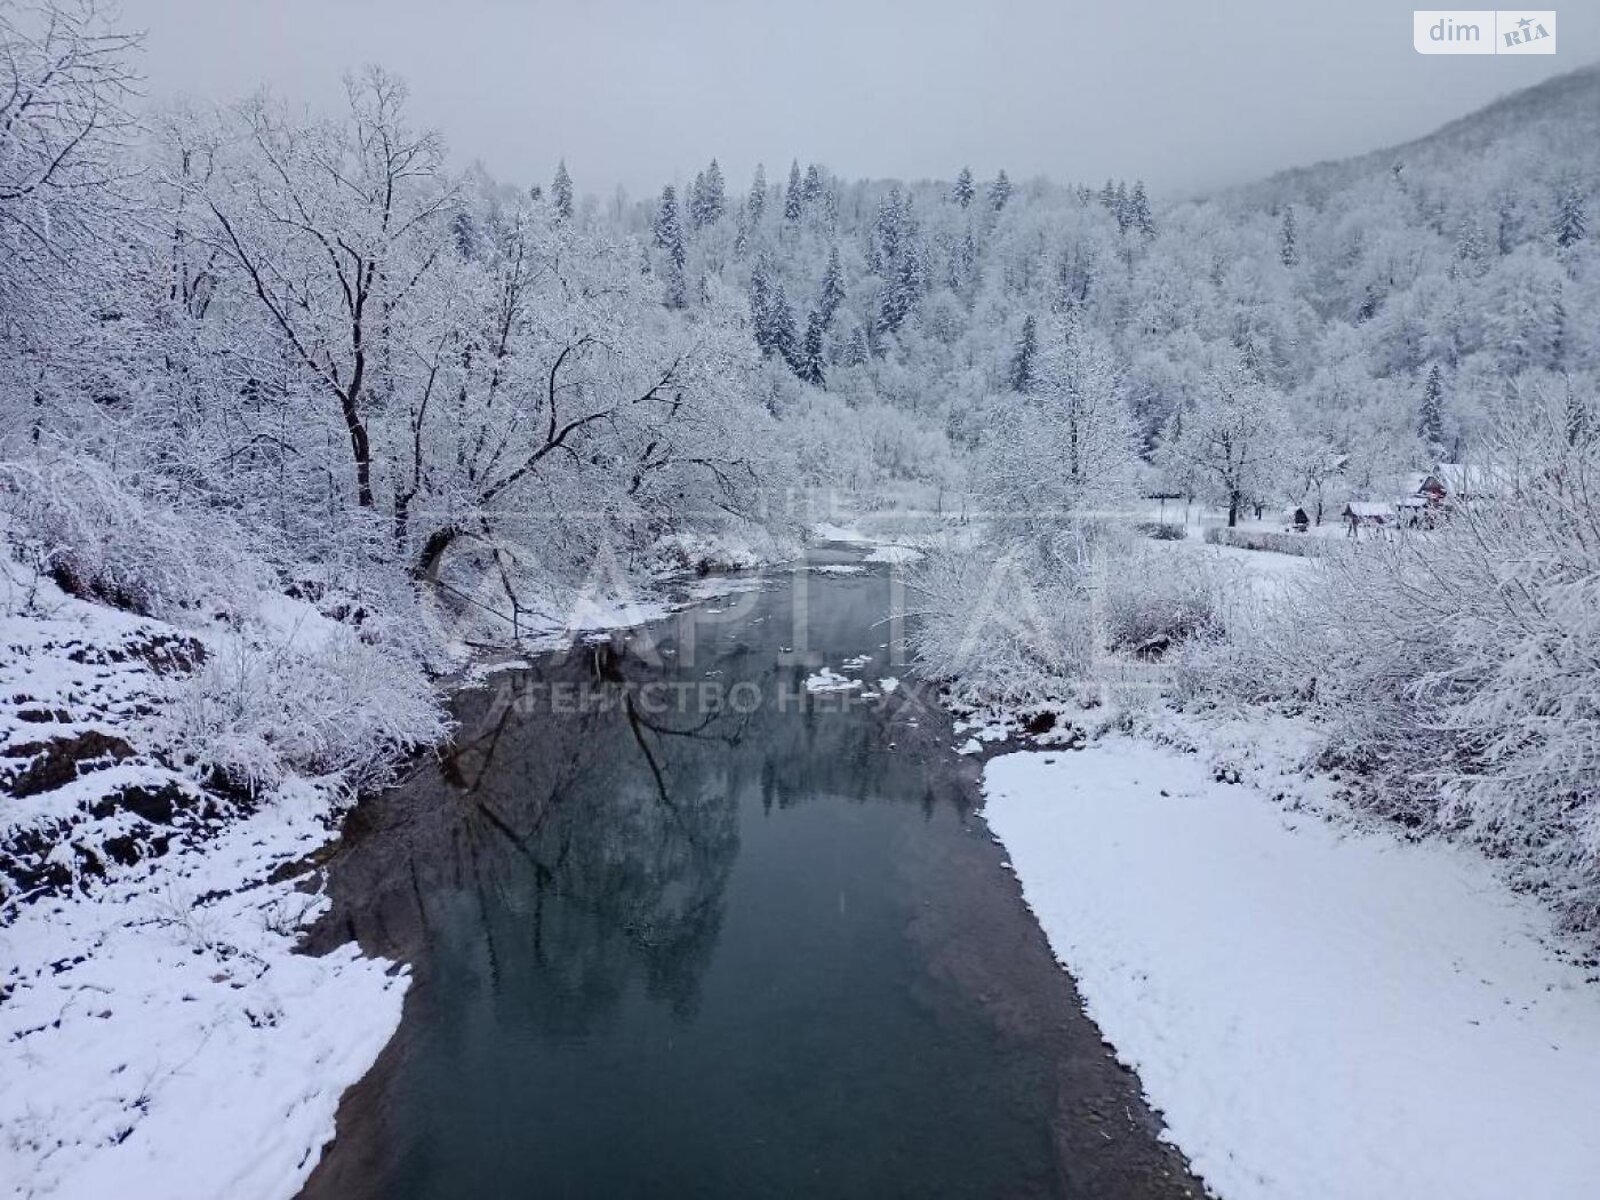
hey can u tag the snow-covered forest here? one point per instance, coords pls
(298, 415)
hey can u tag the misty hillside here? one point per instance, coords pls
(1344, 286)
(1558, 119)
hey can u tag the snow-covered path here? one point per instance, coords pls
(1320, 1014)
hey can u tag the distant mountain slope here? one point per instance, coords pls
(1559, 117)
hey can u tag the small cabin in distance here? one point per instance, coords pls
(1367, 514)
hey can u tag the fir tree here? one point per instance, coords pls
(668, 231)
(467, 237)
(694, 202)
(714, 197)
(1508, 223)
(1108, 197)
(811, 188)
(1021, 377)
(898, 297)
(672, 288)
(886, 245)
(756, 203)
(999, 191)
(1139, 209)
(892, 307)
(857, 350)
(963, 191)
(1430, 419)
(832, 288)
(561, 192)
(791, 199)
(761, 304)
(1288, 246)
(1571, 223)
(781, 336)
(1119, 206)
(811, 359)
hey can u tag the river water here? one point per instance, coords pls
(681, 927)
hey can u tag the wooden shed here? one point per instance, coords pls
(1368, 514)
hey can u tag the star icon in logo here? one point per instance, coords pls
(1524, 23)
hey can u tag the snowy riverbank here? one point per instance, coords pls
(163, 1038)
(159, 818)
(1320, 1013)
(160, 1033)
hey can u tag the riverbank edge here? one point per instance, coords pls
(164, 1033)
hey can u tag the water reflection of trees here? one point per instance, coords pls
(550, 861)
(554, 858)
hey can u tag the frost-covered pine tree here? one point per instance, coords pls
(760, 294)
(1140, 215)
(812, 362)
(811, 186)
(857, 350)
(833, 293)
(782, 339)
(1288, 243)
(714, 195)
(756, 202)
(1430, 416)
(468, 237)
(1120, 208)
(892, 306)
(1000, 191)
(667, 228)
(694, 198)
(1021, 376)
(886, 243)
(963, 191)
(1508, 225)
(1571, 224)
(561, 192)
(907, 286)
(673, 291)
(793, 205)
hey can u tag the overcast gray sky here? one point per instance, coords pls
(1187, 94)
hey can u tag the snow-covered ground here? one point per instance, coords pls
(162, 1038)
(159, 1036)
(1320, 1013)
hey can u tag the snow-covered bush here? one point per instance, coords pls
(1265, 539)
(1152, 599)
(1163, 531)
(1044, 617)
(260, 710)
(707, 553)
(98, 539)
(1009, 625)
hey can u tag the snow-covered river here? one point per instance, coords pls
(681, 926)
